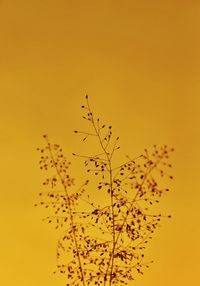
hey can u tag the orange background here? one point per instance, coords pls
(139, 62)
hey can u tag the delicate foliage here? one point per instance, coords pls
(123, 221)
(64, 202)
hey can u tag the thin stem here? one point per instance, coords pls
(109, 157)
(70, 212)
(151, 167)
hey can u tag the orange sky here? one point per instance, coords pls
(139, 62)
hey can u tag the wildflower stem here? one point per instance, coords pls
(149, 170)
(109, 157)
(70, 212)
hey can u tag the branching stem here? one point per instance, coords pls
(109, 158)
(70, 212)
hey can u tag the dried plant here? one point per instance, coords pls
(122, 221)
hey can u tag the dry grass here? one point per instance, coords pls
(123, 222)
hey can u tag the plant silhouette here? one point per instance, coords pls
(122, 222)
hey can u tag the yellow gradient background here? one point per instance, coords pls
(139, 63)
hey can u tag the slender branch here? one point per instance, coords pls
(150, 168)
(70, 211)
(109, 157)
